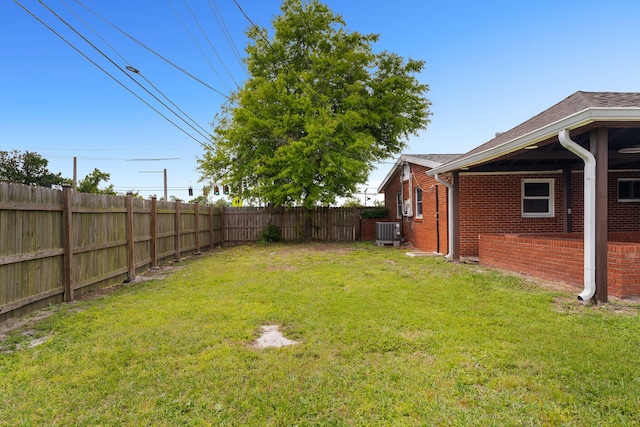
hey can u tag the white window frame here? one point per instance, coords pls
(419, 202)
(634, 199)
(551, 212)
(398, 205)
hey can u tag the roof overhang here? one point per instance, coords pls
(574, 121)
(407, 158)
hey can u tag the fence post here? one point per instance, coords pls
(67, 243)
(211, 235)
(178, 227)
(154, 232)
(197, 209)
(131, 262)
(222, 230)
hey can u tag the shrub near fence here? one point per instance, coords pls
(56, 245)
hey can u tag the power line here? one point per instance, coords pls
(99, 67)
(210, 44)
(175, 12)
(135, 70)
(120, 68)
(152, 51)
(226, 33)
(54, 156)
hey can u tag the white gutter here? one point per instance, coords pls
(579, 119)
(449, 254)
(589, 213)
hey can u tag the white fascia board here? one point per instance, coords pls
(577, 120)
(421, 162)
(389, 175)
(409, 159)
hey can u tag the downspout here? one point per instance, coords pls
(589, 213)
(437, 221)
(449, 254)
(402, 202)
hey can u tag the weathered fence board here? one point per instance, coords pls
(56, 245)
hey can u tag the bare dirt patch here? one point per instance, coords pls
(272, 337)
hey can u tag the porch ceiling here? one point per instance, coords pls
(550, 155)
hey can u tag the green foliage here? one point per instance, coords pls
(91, 183)
(271, 234)
(27, 168)
(378, 212)
(221, 203)
(320, 107)
(202, 199)
(352, 203)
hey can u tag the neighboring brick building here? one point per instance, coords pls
(417, 201)
(519, 201)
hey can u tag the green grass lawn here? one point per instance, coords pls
(385, 339)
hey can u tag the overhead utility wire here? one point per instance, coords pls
(210, 44)
(133, 69)
(127, 74)
(227, 33)
(153, 51)
(59, 156)
(175, 12)
(227, 97)
(102, 69)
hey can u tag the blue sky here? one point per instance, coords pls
(490, 65)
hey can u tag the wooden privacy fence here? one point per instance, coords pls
(56, 245)
(244, 225)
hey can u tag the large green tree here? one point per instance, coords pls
(27, 168)
(319, 109)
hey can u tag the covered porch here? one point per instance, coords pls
(576, 215)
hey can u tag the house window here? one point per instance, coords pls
(418, 202)
(537, 198)
(629, 190)
(399, 205)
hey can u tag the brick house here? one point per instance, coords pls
(557, 197)
(416, 201)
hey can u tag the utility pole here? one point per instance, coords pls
(75, 173)
(165, 186)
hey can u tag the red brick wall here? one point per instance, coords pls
(368, 228)
(420, 232)
(492, 204)
(623, 269)
(553, 259)
(562, 258)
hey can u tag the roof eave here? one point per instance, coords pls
(577, 120)
(409, 159)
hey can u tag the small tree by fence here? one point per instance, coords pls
(57, 245)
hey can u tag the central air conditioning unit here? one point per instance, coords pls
(387, 233)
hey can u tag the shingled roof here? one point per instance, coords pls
(570, 113)
(426, 160)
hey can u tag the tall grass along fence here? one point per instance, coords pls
(57, 245)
